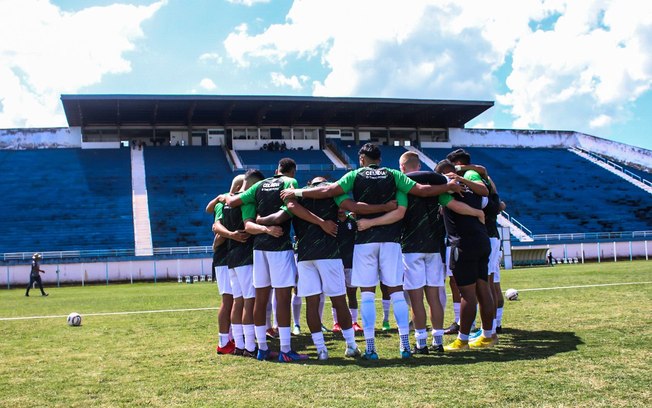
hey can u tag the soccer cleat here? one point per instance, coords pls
(482, 342)
(45, 294)
(238, 352)
(475, 335)
(437, 348)
(291, 356)
(386, 325)
(406, 353)
(357, 328)
(266, 355)
(272, 333)
(457, 345)
(499, 329)
(229, 348)
(454, 328)
(250, 354)
(337, 328)
(352, 351)
(422, 350)
(296, 330)
(370, 356)
(322, 355)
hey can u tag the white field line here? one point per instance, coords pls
(327, 301)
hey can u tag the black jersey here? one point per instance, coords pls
(263, 198)
(346, 240)
(240, 253)
(491, 212)
(464, 231)
(219, 255)
(377, 185)
(312, 242)
(422, 232)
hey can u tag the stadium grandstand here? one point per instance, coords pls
(129, 179)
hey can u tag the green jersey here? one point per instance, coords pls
(219, 256)
(239, 253)
(264, 198)
(377, 185)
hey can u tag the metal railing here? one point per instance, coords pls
(517, 223)
(583, 236)
(615, 166)
(348, 162)
(104, 253)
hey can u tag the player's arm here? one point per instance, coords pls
(388, 218)
(255, 229)
(277, 218)
(247, 197)
(481, 170)
(424, 190)
(319, 192)
(210, 207)
(473, 181)
(302, 212)
(357, 207)
(460, 207)
(224, 232)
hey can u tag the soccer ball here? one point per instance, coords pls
(74, 319)
(511, 294)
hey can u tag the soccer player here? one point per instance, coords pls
(469, 259)
(239, 258)
(346, 229)
(320, 268)
(225, 346)
(274, 264)
(377, 252)
(34, 275)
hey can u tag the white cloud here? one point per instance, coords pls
(294, 82)
(211, 58)
(569, 64)
(248, 3)
(46, 51)
(207, 84)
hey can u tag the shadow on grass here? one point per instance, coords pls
(515, 344)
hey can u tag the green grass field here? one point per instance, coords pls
(564, 347)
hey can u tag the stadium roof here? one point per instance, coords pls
(262, 111)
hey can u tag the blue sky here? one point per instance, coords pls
(548, 64)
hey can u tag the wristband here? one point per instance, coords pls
(298, 193)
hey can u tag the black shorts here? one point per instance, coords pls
(470, 263)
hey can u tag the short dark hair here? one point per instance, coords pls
(254, 175)
(459, 155)
(445, 166)
(286, 165)
(312, 182)
(370, 150)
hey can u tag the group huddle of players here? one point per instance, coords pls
(401, 229)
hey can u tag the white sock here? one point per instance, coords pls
(456, 310)
(493, 327)
(318, 339)
(368, 311)
(238, 335)
(354, 315)
(284, 338)
(499, 316)
(402, 316)
(274, 307)
(261, 337)
(334, 313)
(249, 336)
(296, 309)
(463, 337)
(486, 333)
(386, 304)
(437, 337)
(421, 336)
(224, 338)
(349, 337)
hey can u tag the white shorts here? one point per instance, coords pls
(449, 273)
(422, 269)
(494, 258)
(321, 276)
(222, 280)
(347, 277)
(377, 260)
(274, 268)
(242, 281)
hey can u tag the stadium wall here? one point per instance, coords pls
(550, 139)
(598, 251)
(40, 138)
(107, 271)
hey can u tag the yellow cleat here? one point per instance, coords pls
(483, 342)
(457, 345)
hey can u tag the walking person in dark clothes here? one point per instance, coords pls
(35, 274)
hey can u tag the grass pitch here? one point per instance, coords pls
(587, 346)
